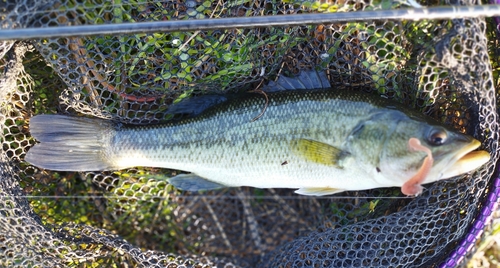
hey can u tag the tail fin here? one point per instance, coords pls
(71, 143)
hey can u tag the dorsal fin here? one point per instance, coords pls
(196, 105)
(310, 79)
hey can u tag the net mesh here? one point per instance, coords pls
(442, 68)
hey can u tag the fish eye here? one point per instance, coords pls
(437, 137)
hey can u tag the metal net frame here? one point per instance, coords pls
(441, 67)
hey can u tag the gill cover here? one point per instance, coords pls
(373, 133)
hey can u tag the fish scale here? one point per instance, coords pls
(224, 129)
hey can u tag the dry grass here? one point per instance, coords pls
(488, 252)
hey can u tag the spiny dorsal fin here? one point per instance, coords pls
(318, 152)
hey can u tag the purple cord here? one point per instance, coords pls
(458, 255)
(496, 19)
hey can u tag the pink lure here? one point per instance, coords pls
(413, 186)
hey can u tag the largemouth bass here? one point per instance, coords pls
(317, 141)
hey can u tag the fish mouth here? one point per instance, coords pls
(466, 160)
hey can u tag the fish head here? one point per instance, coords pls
(453, 153)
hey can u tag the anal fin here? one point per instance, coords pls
(193, 182)
(318, 191)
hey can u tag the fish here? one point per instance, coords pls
(294, 134)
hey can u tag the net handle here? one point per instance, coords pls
(448, 12)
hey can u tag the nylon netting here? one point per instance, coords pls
(442, 68)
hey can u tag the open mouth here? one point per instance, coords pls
(466, 160)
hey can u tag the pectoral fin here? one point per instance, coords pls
(317, 191)
(319, 152)
(193, 182)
